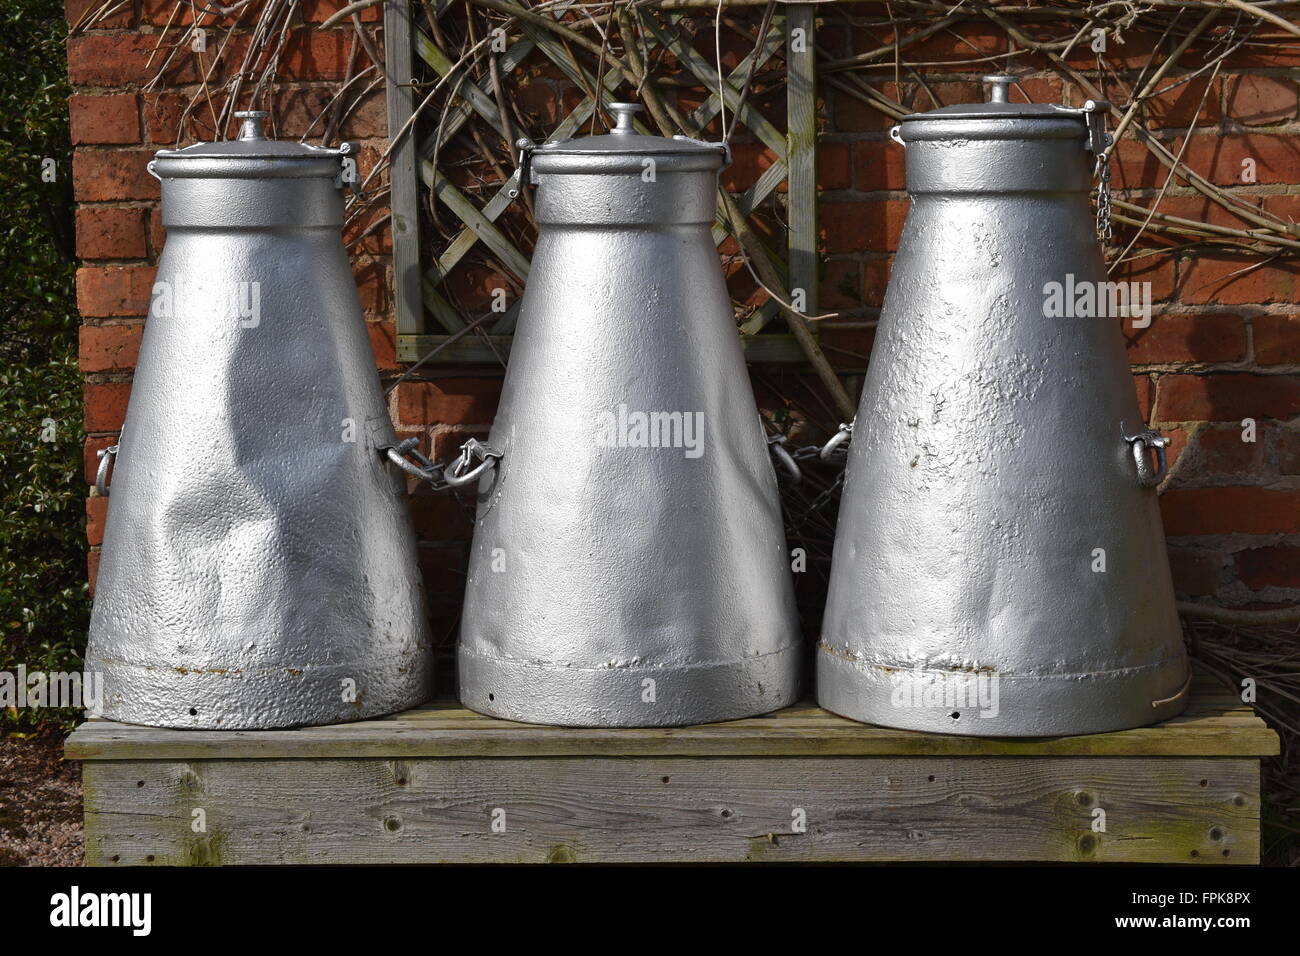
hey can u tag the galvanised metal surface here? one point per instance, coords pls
(999, 565)
(610, 583)
(259, 565)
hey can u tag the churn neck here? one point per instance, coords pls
(1003, 146)
(253, 181)
(625, 177)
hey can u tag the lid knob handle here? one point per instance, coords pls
(624, 113)
(254, 125)
(999, 83)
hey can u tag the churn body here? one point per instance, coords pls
(629, 565)
(999, 564)
(259, 564)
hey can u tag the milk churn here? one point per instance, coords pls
(999, 565)
(629, 566)
(259, 565)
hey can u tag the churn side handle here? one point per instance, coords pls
(1141, 444)
(838, 439)
(453, 475)
(106, 457)
(776, 445)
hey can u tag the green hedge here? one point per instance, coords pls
(44, 604)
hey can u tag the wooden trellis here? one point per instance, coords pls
(425, 318)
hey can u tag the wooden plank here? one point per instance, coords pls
(801, 156)
(665, 809)
(453, 732)
(404, 187)
(759, 349)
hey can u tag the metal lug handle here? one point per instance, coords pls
(894, 134)
(525, 147)
(838, 439)
(421, 468)
(106, 456)
(776, 445)
(456, 475)
(1141, 444)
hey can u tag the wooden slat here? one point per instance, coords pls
(661, 809)
(404, 186)
(440, 731)
(801, 155)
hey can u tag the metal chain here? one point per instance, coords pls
(1103, 199)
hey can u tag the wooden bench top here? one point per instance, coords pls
(1215, 724)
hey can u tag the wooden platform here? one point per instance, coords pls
(442, 784)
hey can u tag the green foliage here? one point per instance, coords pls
(44, 606)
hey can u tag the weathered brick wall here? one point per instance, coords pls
(1224, 345)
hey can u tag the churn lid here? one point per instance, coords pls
(249, 156)
(1000, 119)
(623, 149)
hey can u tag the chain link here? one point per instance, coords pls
(1103, 199)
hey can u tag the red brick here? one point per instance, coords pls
(1243, 510)
(1232, 280)
(96, 515)
(161, 13)
(318, 54)
(114, 290)
(111, 119)
(872, 226)
(90, 464)
(1227, 397)
(1288, 451)
(1222, 451)
(110, 348)
(1186, 338)
(834, 165)
(748, 162)
(1158, 270)
(1272, 566)
(101, 174)
(105, 405)
(1220, 158)
(163, 113)
(878, 165)
(384, 344)
(157, 234)
(852, 115)
(1277, 339)
(875, 279)
(92, 568)
(971, 41)
(1196, 571)
(1261, 100)
(377, 242)
(121, 59)
(78, 13)
(111, 232)
(448, 401)
(1146, 391)
(318, 11)
(374, 286)
(841, 284)
(848, 348)
(1185, 105)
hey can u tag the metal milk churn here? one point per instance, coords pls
(629, 566)
(999, 565)
(259, 565)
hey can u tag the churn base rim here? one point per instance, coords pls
(1055, 705)
(574, 696)
(268, 699)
